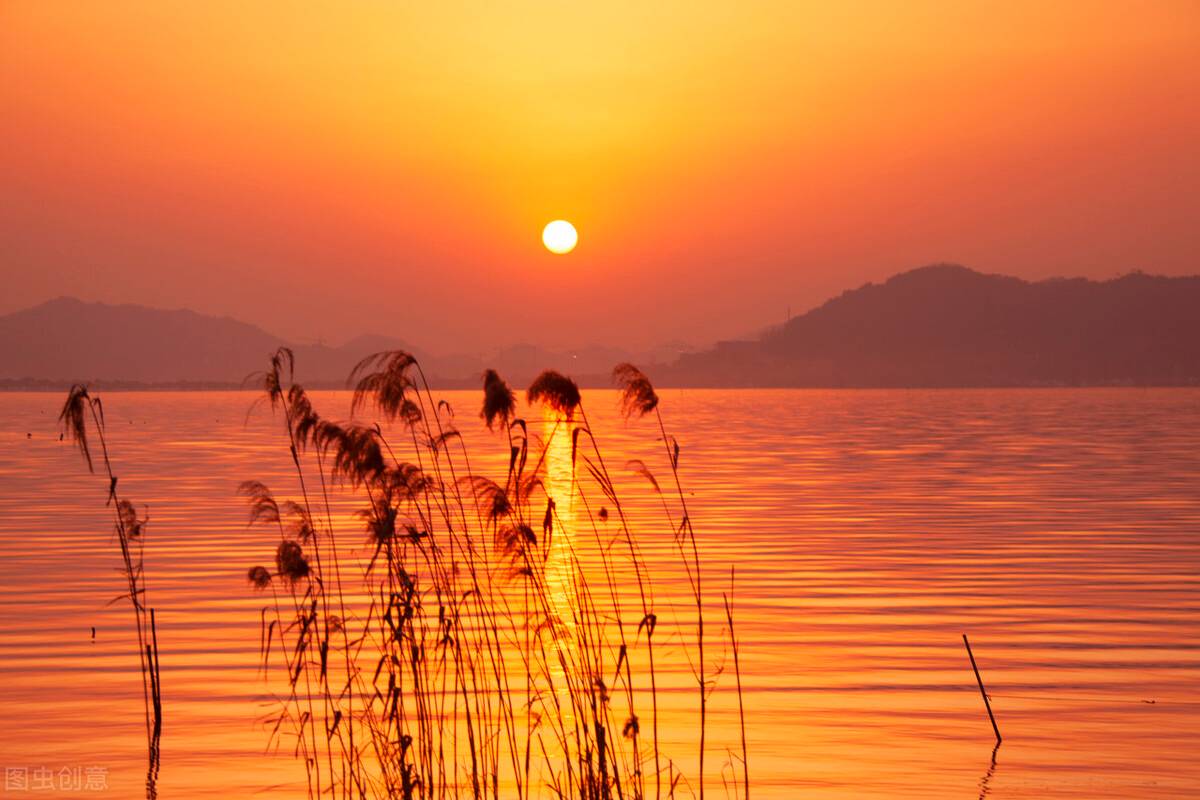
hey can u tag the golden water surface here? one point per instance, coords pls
(1060, 529)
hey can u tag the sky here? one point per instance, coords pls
(331, 169)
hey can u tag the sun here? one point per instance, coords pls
(560, 237)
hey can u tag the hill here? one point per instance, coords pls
(947, 325)
(65, 340)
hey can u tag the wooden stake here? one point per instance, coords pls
(982, 691)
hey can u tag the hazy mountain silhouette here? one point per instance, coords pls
(942, 325)
(947, 325)
(70, 340)
(67, 340)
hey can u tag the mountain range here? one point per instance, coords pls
(67, 340)
(937, 326)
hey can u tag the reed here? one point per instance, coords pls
(82, 412)
(495, 637)
(735, 647)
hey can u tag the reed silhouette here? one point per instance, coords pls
(496, 638)
(81, 411)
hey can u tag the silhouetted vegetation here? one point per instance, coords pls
(82, 411)
(498, 639)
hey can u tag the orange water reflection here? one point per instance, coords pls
(869, 530)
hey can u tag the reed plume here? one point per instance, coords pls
(259, 577)
(637, 393)
(499, 402)
(555, 390)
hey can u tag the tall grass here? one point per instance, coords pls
(497, 636)
(83, 411)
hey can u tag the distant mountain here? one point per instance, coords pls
(947, 325)
(66, 340)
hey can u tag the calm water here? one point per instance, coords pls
(1059, 529)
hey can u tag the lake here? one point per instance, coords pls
(1059, 529)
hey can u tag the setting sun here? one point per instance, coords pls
(560, 237)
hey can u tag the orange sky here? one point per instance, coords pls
(329, 169)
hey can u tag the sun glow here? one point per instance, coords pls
(560, 237)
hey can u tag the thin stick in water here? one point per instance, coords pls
(986, 703)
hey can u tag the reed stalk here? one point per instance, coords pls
(82, 412)
(737, 672)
